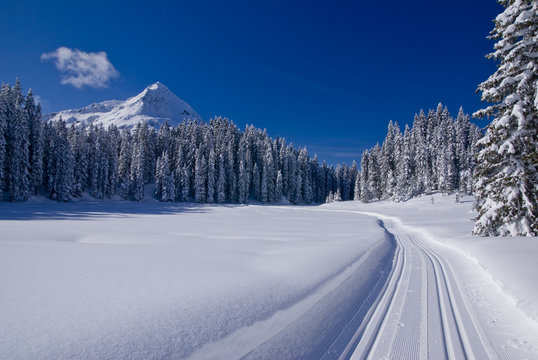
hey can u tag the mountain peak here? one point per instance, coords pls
(154, 105)
(158, 86)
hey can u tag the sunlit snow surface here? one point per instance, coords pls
(123, 280)
(150, 280)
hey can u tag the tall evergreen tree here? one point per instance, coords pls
(124, 163)
(366, 191)
(136, 178)
(211, 176)
(403, 190)
(4, 92)
(256, 183)
(35, 137)
(507, 178)
(221, 181)
(279, 188)
(17, 177)
(200, 177)
(59, 162)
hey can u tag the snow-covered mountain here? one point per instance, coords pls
(156, 104)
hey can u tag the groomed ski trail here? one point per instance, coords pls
(422, 314)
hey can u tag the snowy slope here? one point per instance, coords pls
(156, 104)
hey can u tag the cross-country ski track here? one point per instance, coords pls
(419, 311)
(422, 313)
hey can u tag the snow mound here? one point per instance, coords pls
(155, 105)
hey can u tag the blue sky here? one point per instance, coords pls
(328, 75)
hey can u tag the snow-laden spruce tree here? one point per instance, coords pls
(32, 112)
(506, 175)
(3, 135)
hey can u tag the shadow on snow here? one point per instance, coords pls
(87, 210)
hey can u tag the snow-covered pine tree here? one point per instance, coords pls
(243, 183)
(170, 188)
(462, 126)
(165, 188)
(451, 159)
(292, 176)
(404, 190)
(101, 167)
(93, 160)
(211, 176)
(421, 165)
(230, 164)
(330, 197)
(221, 181)
(59, 162)
(338, 196)
(374, 173)
(506, 175)
(357, 187)
(159, 175)
(268, 174)
(347, 185)
(17, 155)
(434, 142)
(303, 164)
(124, 163)
(147, 138)
(3, 135)
(35, 137)
(352, 176)
(179, 163)
(339, 176)
(388, 158)
(475, 134)
(185, 184)
(256, 183)
(366, 192)
(136, 178)
(112, 148)
(200, 177)
(284, 166)
(279, 188)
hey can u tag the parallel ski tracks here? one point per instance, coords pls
(420, 312)
(402, 325)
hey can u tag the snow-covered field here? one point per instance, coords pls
(150, 280)
(121, 280)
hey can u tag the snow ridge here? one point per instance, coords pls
(155, 105)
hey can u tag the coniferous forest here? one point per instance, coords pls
(216, 162)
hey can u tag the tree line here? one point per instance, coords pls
(436, 153)
(216, 162)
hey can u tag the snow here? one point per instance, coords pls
(150, 280)
(155, 104)
(511, 261)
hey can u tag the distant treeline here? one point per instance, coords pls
(216, 162)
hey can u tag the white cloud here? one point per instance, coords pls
(81, 68)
